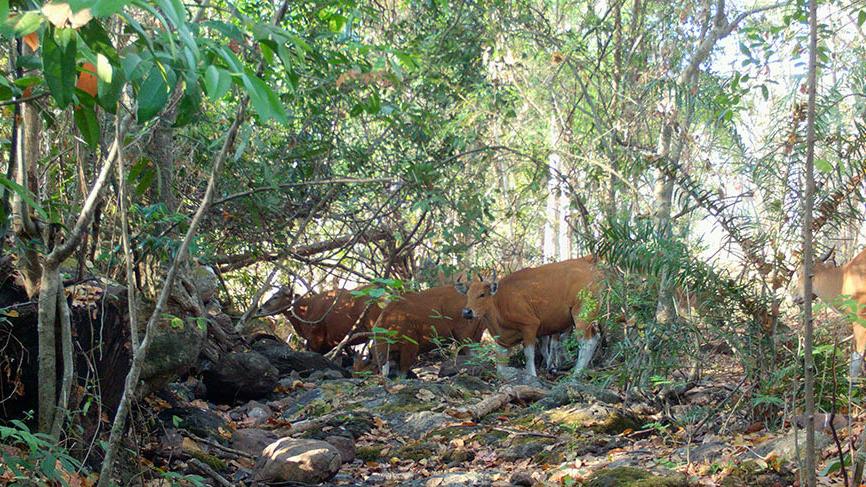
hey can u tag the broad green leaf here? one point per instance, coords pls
(27, 23)
(58, 63)
(103, 69)
(25, 195)
(265, 101)
(105, 8)
(216, 82)
(85, 120)
(98, 41)
(190, 105)
(229, 30)
(152, 95)
(107, 94)
(861, 17)
(4, 11)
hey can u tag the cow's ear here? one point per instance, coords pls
(493, 287)
(461, 287)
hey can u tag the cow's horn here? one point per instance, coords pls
(827, 255)
(493, 277)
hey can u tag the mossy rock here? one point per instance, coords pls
(406, 400)
(596, 417)
(368, 453)
(449, 433)
(471, 385)
(533, 447)
(418, 451)
(754, 475)
(632, 477)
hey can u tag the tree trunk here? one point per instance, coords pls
(548, 248)
(809, 365)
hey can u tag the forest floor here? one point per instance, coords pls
(481, 430)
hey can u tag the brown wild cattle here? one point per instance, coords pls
(536, 302)
(420, 316)
(322, 319)
(829, 283)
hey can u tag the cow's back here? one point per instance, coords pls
(546, 293)
(417, 314)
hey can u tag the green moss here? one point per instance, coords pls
(752, 474)
(368, 453)
(632, 477)
(616, 423)
(318, 408)
(451, 432)
(417, 451)
(212, 461)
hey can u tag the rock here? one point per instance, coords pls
(286, 360)
(321, 375)
(528, 447)
(755, 475)
(785, 448)
(522, 478)
(515, 376)
(294, 460)
(457, 479)
(597, 417)
(205, 281)
(240, 375)
(632, 477)
(174, 348)
(253, 412)
(345, 445)
(252, 440)
(200, 422)
(465, 364)
(418, 425)
(709, 450)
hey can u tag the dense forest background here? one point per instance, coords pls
(156, 153)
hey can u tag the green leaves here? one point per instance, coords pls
(153, 94)
(85, 120)
(216, 82)
(58, 63)
(264, 100)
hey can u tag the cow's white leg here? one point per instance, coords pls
(856, 365)
(587, 348)
(555, 353)
(386, 368)
(545, 349)
(529, 355)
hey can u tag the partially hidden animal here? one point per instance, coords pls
(414, 319)
(829, 283)
(324, 319)
(537, 302)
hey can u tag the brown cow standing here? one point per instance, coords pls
(830, 282)
(323, 319)
(536, 302)
(420, 316)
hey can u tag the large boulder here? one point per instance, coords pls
(287, 360)
(205, 281)
(252, 440)
(201, 422)
(240, 376)
(175, 346)
(295, 460)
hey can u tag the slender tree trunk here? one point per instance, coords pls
(550, 213)
(809, 196)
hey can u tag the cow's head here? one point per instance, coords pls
(479, 296)
(279, 302)
(821, 280)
